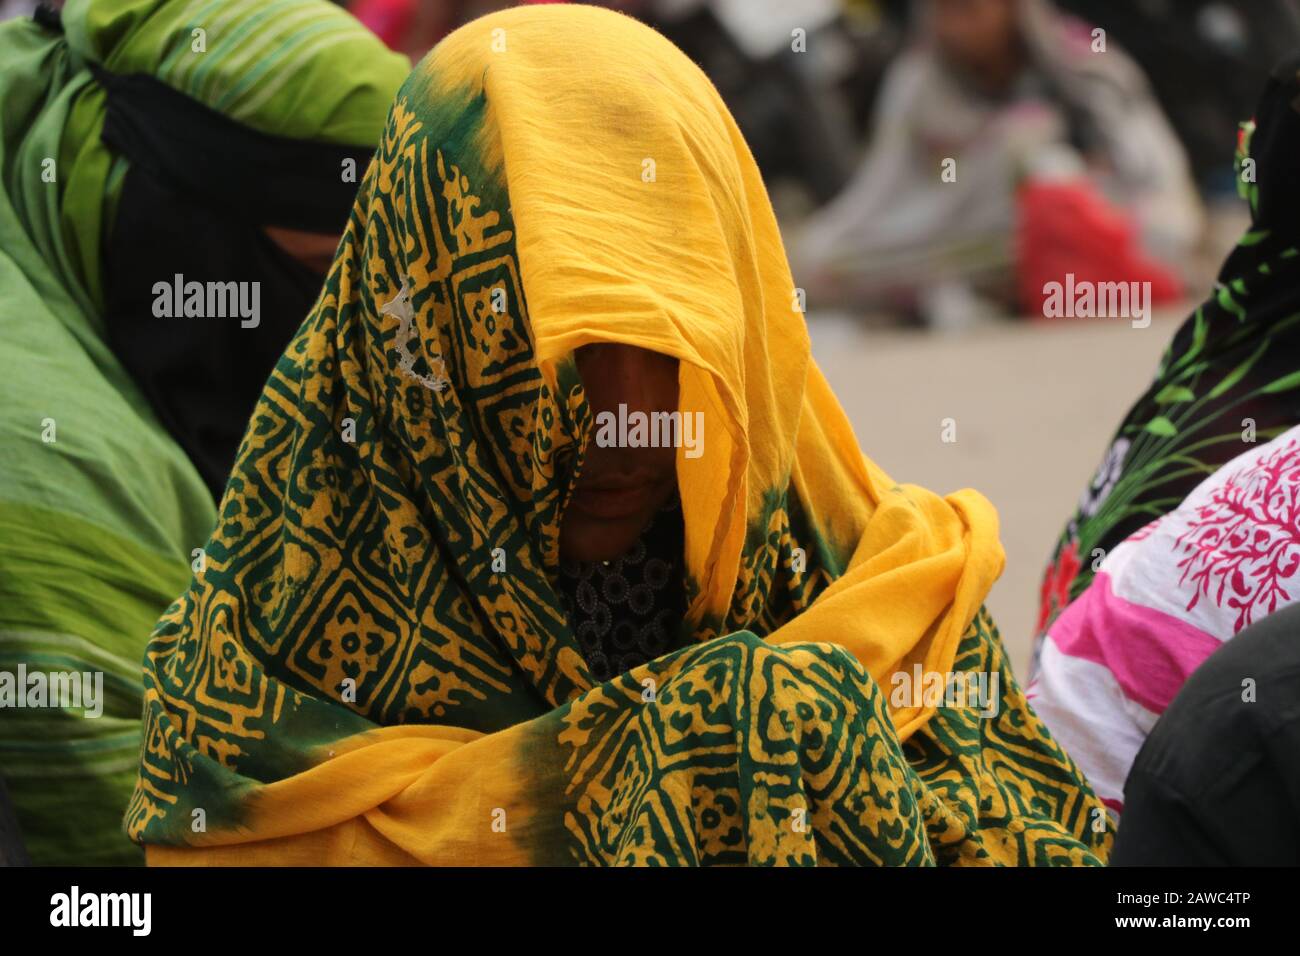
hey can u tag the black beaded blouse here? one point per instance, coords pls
(628, 611)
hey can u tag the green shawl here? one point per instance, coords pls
(100, 511)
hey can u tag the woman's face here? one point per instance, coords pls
(620, 488)
(978, 36)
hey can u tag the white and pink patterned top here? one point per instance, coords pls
(1162, 601)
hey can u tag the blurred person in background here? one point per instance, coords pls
(1189, 532)
(142, 141)
(1206, 60)
(1009, 143)
(16, 8)
(414, 26)
(796, 120)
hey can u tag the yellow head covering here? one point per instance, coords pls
(641, 218)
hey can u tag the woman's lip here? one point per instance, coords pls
(613, 500)
(616, 484)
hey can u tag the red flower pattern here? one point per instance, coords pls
(1055, 592)
(1242, 547)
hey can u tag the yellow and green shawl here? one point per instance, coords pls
(354, 679)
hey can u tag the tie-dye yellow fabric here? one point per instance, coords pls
(374, 667)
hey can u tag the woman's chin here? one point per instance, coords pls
(586, 537)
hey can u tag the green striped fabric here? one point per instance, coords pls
(99, 509)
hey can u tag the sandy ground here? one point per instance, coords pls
(1034, 405)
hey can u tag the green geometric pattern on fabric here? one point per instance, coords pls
(740, 752)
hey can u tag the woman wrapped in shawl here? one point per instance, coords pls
(1162, 601)
(1228, 378)
(141, 140)
(376, 664)
(1189, 531)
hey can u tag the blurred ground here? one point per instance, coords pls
(1035, 406)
